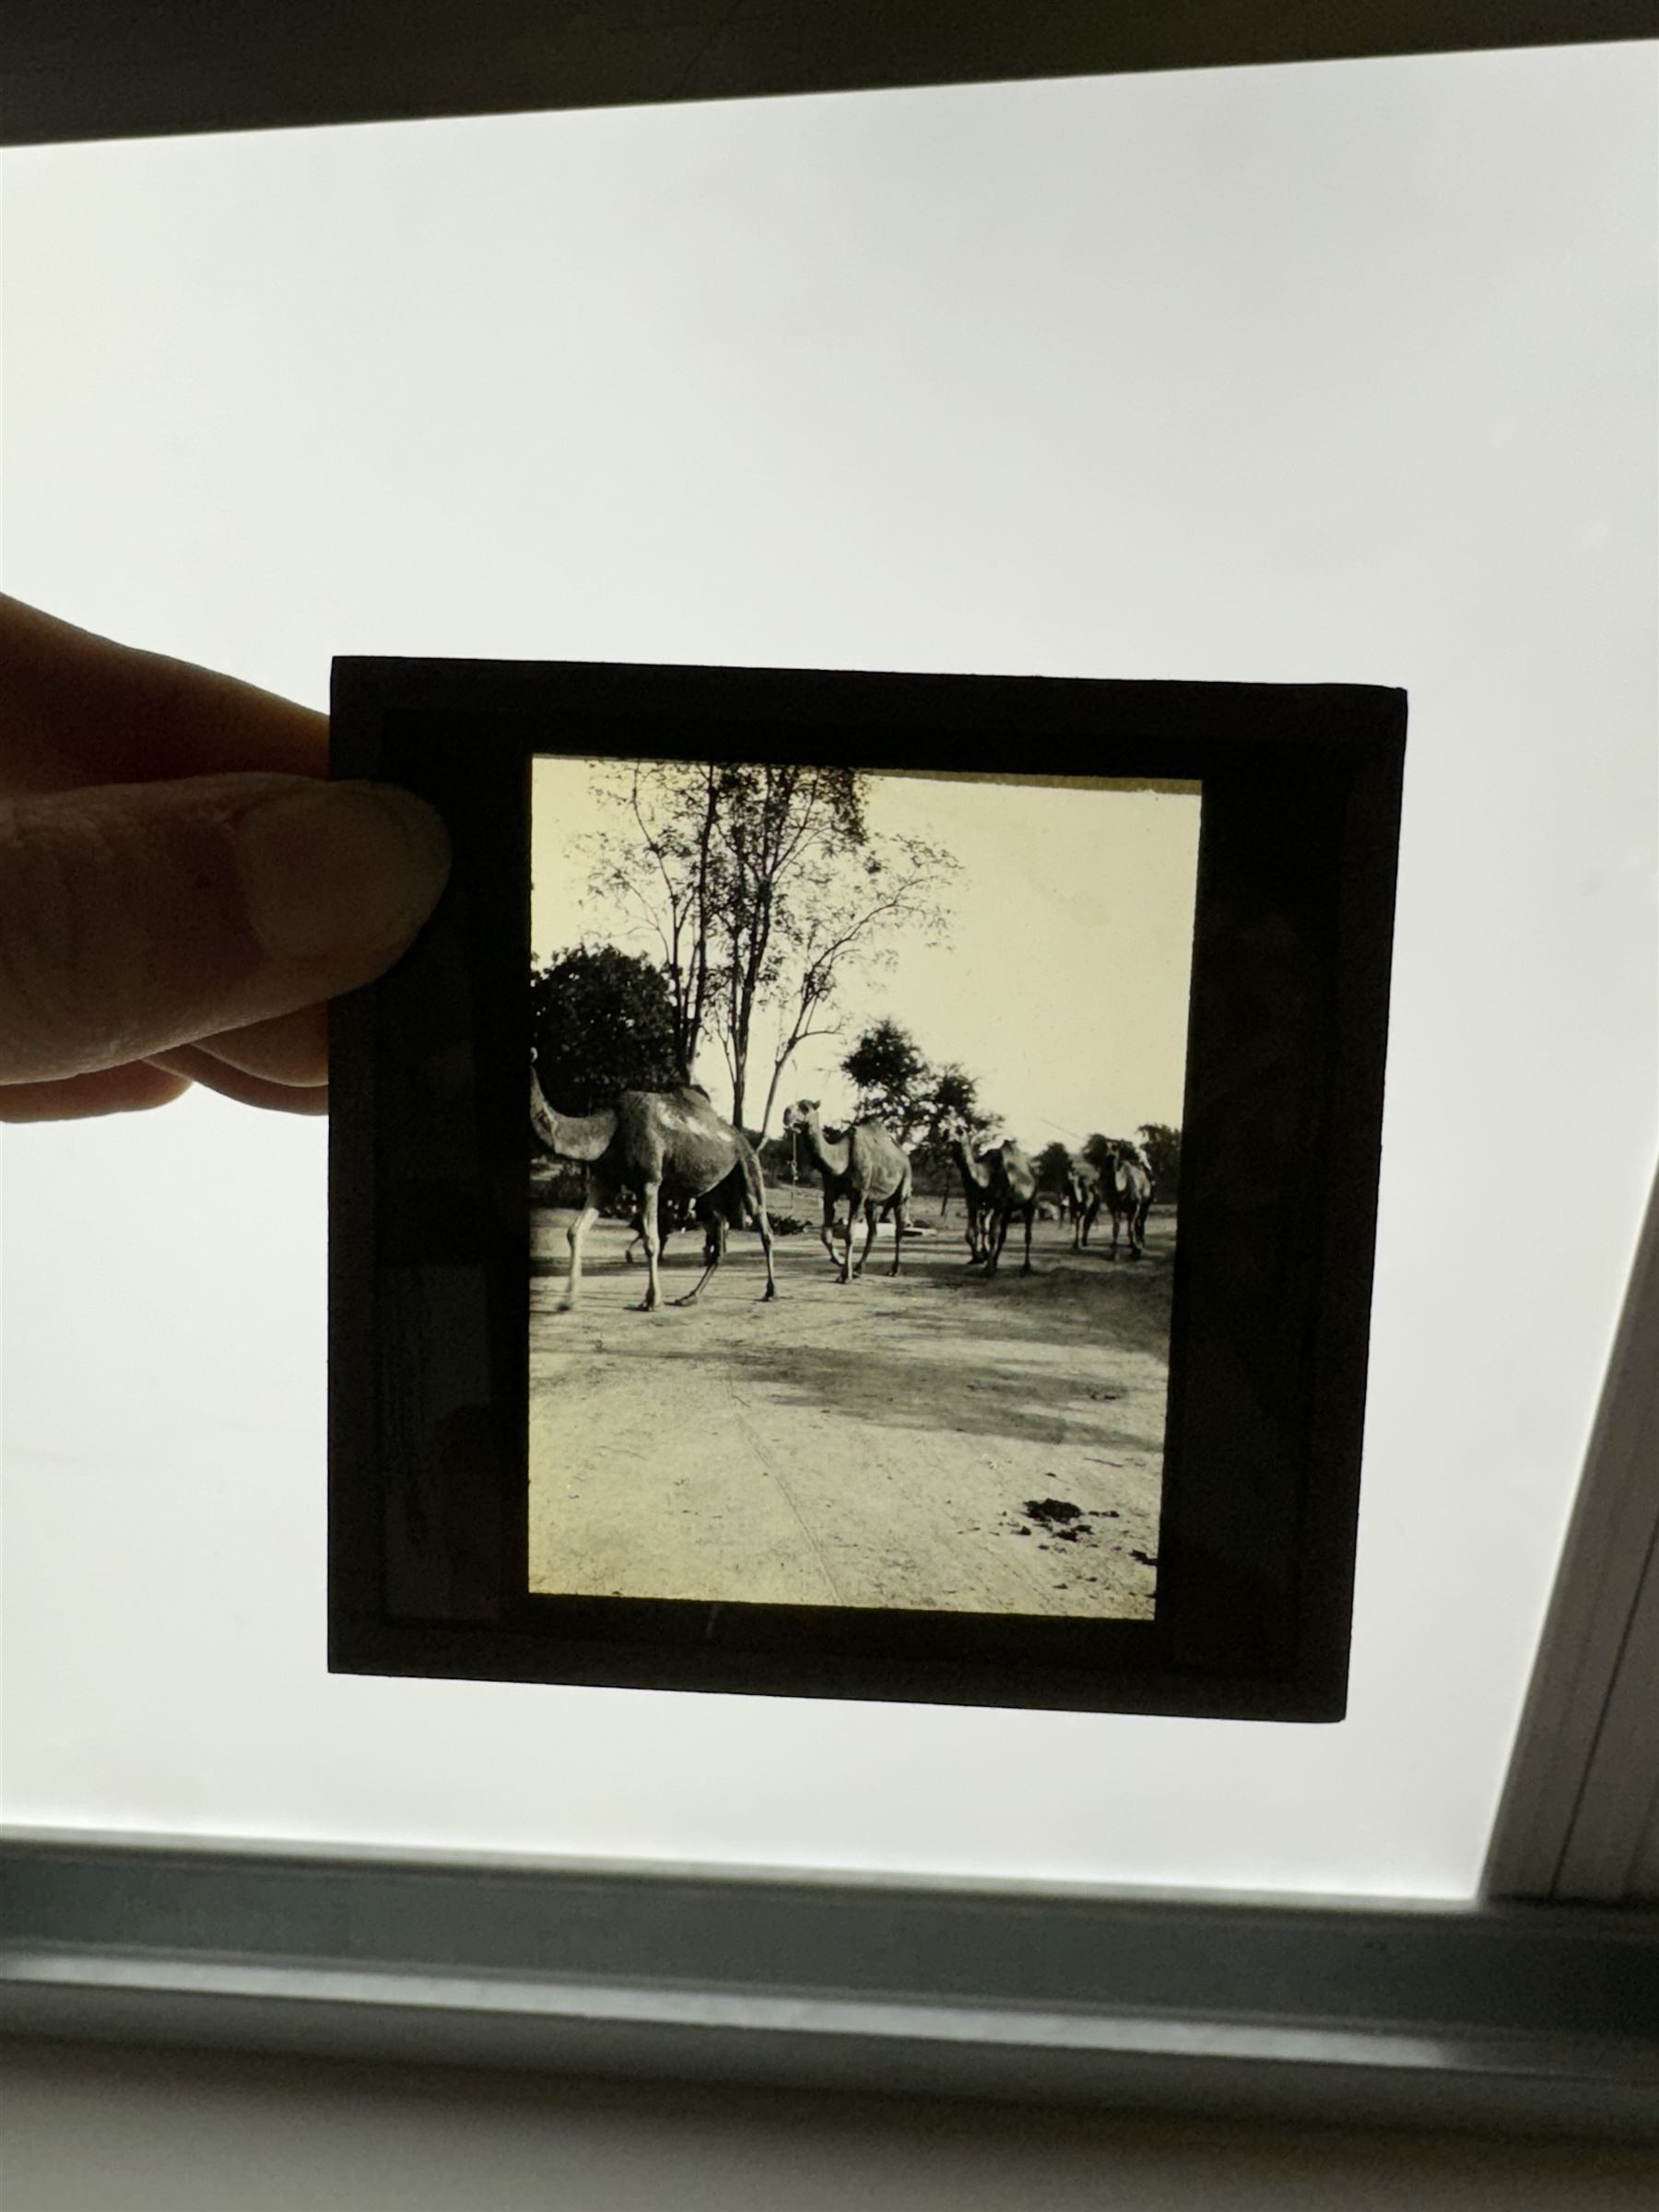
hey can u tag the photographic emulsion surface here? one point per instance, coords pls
(900, 1057)
(866, 1187)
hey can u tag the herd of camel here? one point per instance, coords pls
(673, 1158)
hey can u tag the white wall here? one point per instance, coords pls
(123, 2130)
(1339, 372)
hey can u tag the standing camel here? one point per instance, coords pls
(997, 1184)
(976, 1183)
(864, 1166)
(1127, 1187)
(1013, 1190)
(675, 1213)
(1082, 1198)
(652, 1143)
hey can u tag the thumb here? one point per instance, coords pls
(134, 918)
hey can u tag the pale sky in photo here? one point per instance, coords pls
(1061, 982)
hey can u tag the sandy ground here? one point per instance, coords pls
(880, 1444)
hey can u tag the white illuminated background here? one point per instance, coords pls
(1338, 373)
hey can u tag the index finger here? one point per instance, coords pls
(80, 709)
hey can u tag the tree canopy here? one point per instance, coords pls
(602, 1020)
(1052, 1165)
(892, 1078)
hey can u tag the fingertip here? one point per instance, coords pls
(333, 870)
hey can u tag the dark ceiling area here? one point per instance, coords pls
(80, 69)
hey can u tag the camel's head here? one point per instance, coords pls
(953, 1127)
(802, 1115)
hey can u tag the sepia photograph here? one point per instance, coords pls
(856, 1106)
(935, 1263)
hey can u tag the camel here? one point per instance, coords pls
(1082, 1198)
(652, 1143)
(864, 1166)
(1013, 1191)
(997, 1184)
(1127, 1188)
(976, 1184)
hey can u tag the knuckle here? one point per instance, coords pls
(45, 955)
(97, 925)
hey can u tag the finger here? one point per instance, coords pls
(289, 1048)
(140, 917)
(196, 1064)
(131, 1089)
(78, 709)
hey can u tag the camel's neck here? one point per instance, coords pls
(827, 1154)
(971, 1167)
(570, 1135)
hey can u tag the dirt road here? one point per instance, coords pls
(879, 1443)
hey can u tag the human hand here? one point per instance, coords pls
(180, 891)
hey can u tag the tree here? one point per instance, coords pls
(602, 1020)
(1053, 1166)
(761, 887)
(660, 870)
(891, 1076)
(1162, 1146)
(955, 1091)
(954, 1094)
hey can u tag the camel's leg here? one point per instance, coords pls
(827, 1232)
(846, 1259)
(714, 1242)
(575, 1238)
(1030, 1215)
(637, 1247)
(764, 1225)
(976, 1235)
(647, 1229)
(995, 1237)
(872, 1218)
(901, 1221)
